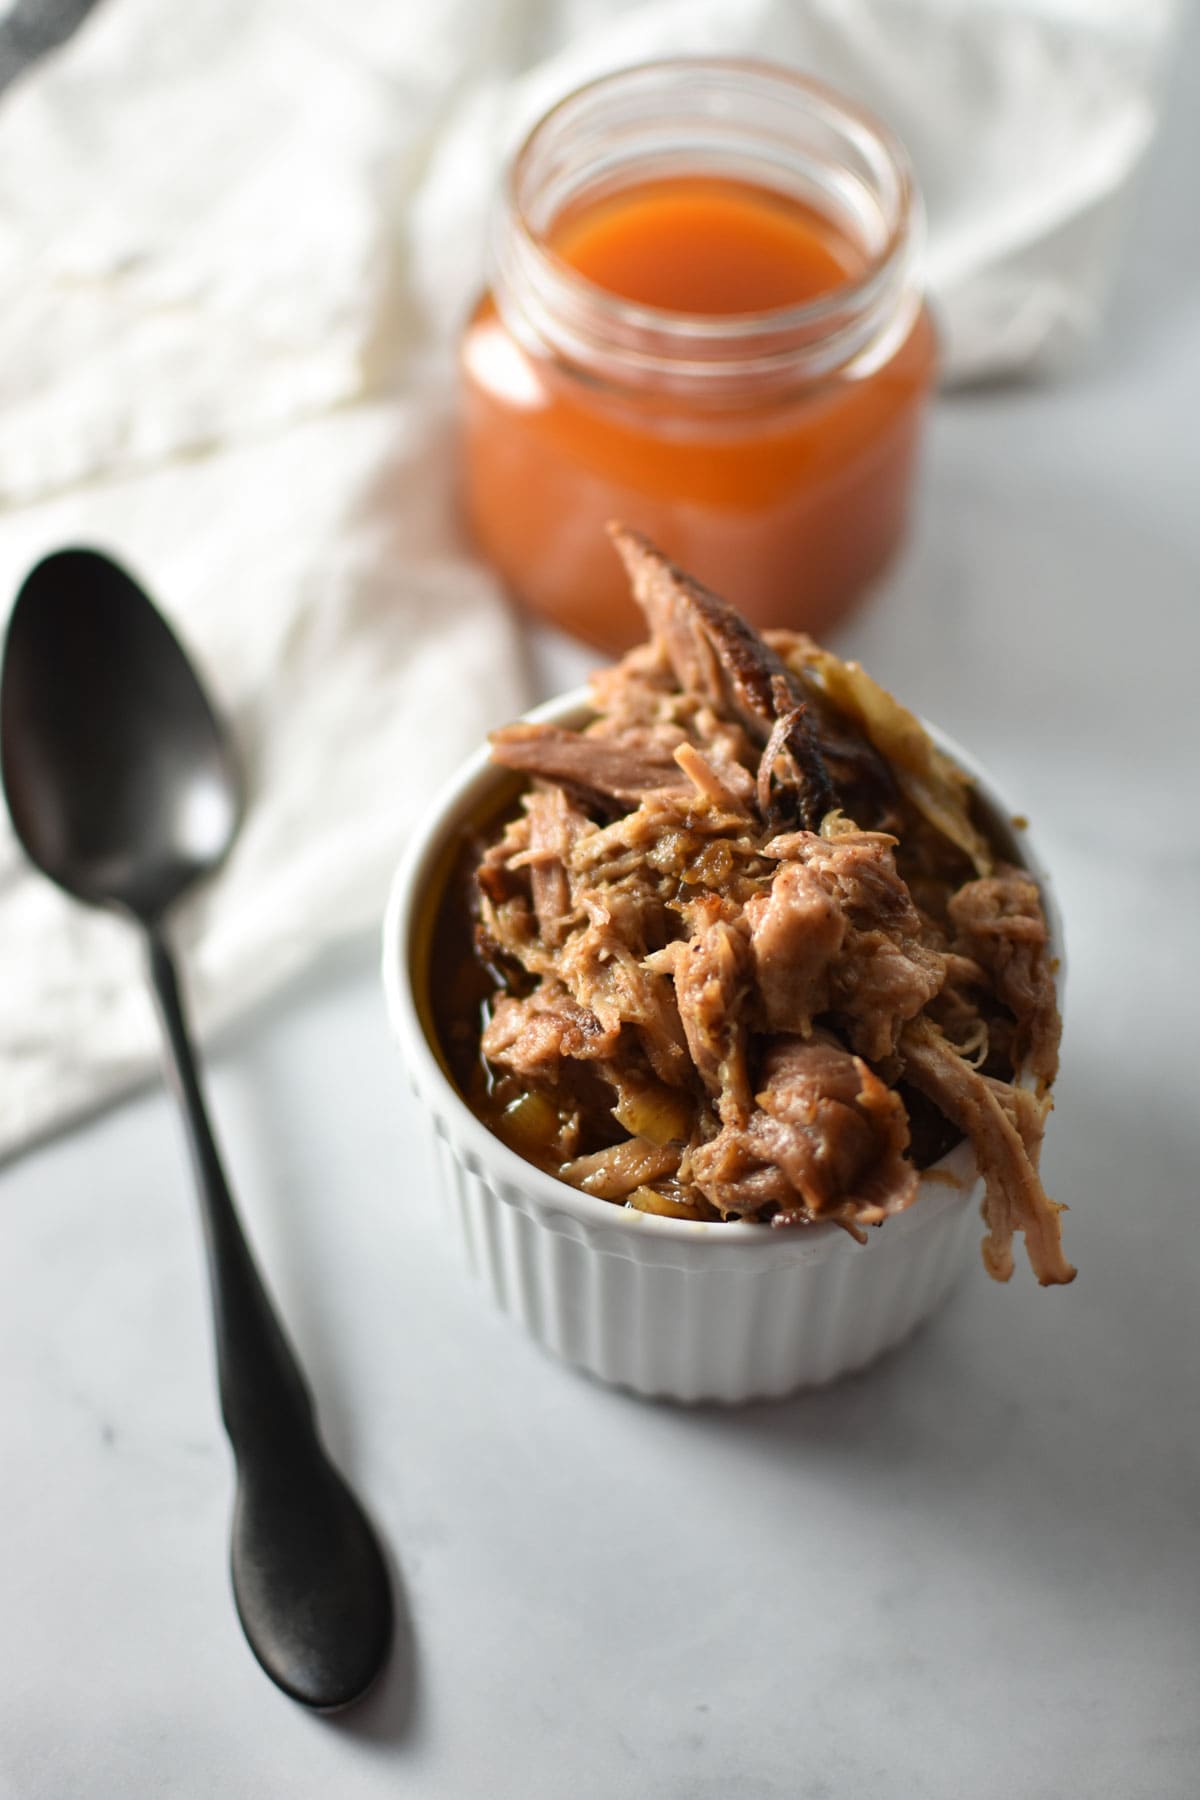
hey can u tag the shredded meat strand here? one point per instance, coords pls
(554, 824)
(601, 767)
(996, 1119)
(713, 978)
(1002, 927)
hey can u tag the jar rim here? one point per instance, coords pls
(770, 334)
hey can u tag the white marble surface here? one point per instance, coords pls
(974, 1572)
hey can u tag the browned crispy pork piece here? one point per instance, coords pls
(792, 777)
(760, 682)
(825, 1141)
(713, 652)
(1001, 925)
(1005, 1136)
(716, 654)
(862, 777)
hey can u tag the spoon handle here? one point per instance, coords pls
(309, 1578)
(259, 1379)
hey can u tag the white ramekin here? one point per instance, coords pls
(670, 1308)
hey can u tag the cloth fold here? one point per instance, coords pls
(236, 244)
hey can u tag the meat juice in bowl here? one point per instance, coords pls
(725, 1010)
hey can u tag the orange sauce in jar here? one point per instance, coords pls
(719, 363)
(706, 245)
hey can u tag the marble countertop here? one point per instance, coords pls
(974, 1571)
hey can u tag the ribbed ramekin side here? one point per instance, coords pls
(720, 1331)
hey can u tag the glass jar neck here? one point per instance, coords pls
(752, 123)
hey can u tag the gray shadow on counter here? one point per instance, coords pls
(389, 1714)
(1069, 1405)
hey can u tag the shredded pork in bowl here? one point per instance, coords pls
(745, 946)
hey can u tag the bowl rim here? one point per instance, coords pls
(944, 1186)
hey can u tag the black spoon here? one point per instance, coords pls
(124, 789)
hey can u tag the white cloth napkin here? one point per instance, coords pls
(236, 242)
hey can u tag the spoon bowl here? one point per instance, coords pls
(121, 781)
(124, 790)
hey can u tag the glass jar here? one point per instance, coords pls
(704, 320)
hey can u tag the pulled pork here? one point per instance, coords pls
(744, 929)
